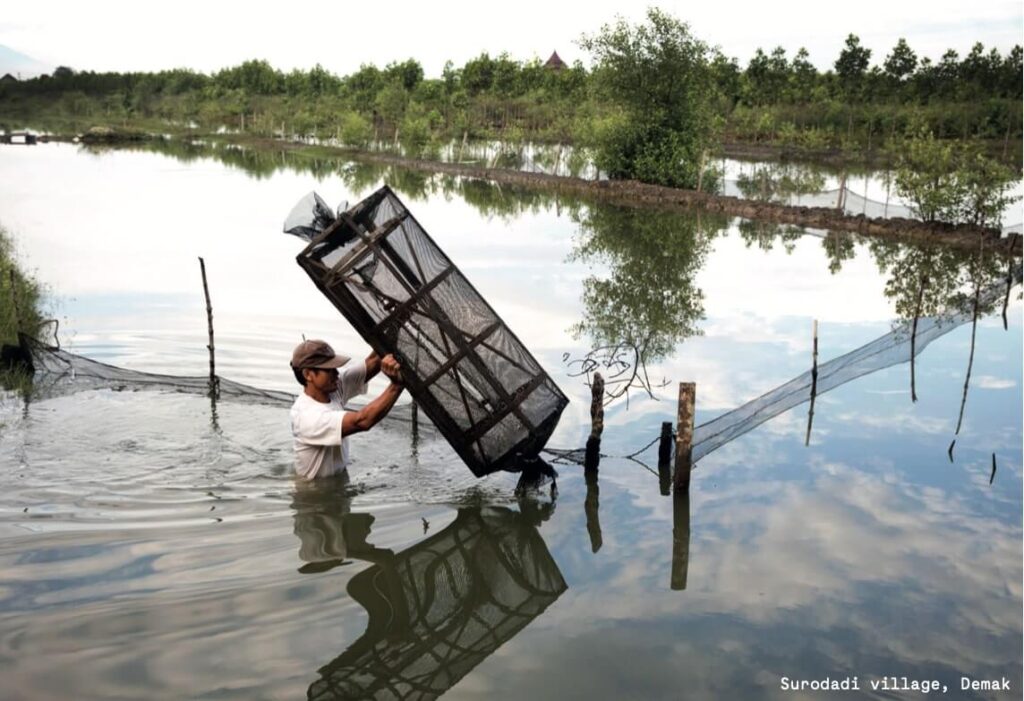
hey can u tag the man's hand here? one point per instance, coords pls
(391, 368)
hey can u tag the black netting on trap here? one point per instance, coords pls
(441, 607)
(465, 368)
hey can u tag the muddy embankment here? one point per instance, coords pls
(633, 193)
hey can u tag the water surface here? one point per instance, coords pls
(154, 545)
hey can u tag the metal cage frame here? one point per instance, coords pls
(352, 262)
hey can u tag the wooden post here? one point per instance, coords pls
(593, 452)
(214, 384)
(814, 383)
(680, 540)
(14, 301)
(970, 360)
(665, 458)
(700, 173)
(684, 435)
(1009, 277)
(591, 506)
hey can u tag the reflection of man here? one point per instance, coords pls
(320, 424)
(328, 532)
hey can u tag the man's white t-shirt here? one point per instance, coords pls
(320, 449)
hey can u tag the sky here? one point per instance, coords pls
(207, 36)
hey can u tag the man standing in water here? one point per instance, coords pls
(320, 424)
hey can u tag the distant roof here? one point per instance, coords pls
(555, 61)
(8, 78)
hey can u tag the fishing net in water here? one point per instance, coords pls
(441, 607)
(891, 349)
(479, 385)
(845, 199)
(58, 372)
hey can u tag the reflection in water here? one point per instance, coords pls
(327, 530)
(437, 609)
(950, 276)
(591, 507)
(649, 298)
(779, 182)
(680, 539)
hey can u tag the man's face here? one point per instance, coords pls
(324, 380)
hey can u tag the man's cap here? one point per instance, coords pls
(316, 354)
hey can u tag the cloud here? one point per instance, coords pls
(990, 382)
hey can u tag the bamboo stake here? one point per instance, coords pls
(593, 451)
(214, 383)
(665, 458)
(814, 384)
(14, 301)
(1009, 281)
(970, 360)
(700, 173)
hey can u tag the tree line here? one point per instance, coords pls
(774, 97)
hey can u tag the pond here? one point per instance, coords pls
(154, 544)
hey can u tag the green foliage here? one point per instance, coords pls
(656, 98)
(354, 129)
(900, 64)
(20, 296)
(851, 67)
(659, 78)
(953, 182)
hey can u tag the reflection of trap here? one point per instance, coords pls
(464, 367)
(441, 607)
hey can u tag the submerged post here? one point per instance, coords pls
(665, 458)
(209, 327)
(680, 540)
(700, 173)
(591, 508)
(593, 452)
(684, 435)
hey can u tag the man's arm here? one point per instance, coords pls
(371, 414)
(372, 365)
